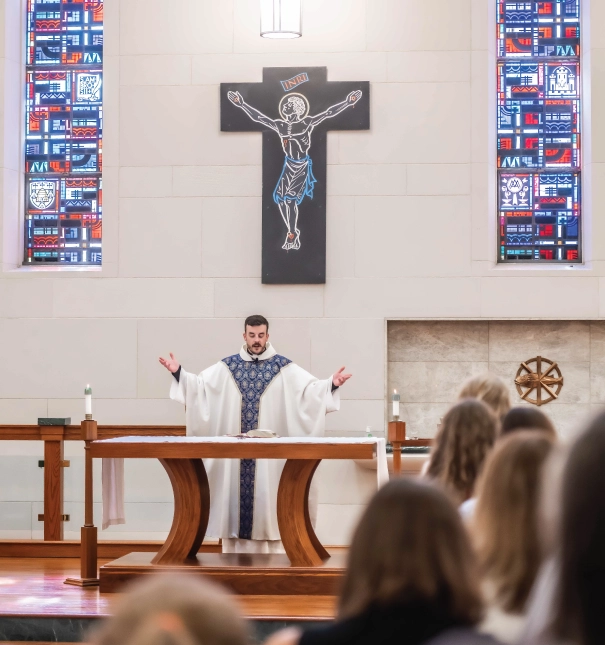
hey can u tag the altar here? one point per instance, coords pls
(307, 568)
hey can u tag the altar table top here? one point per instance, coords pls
(239, 448)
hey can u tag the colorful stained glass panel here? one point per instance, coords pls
(539, 131)
(64, 131)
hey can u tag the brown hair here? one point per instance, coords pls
(505, 524)
(173, 610)
(489, 389)
(256, 321)
(464, 438)
(581, 593)
(522, 418)
(410, 546)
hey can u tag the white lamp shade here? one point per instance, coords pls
(281, 18)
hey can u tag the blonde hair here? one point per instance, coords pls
(505, 524)
(489, 389)
(463, 440)
(410, 547)
(169, 609)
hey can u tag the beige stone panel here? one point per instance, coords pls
(525, 297)
(335, 26)
(134, 298)
(158, 136)
(148, 181)
(111, 222)
(597, 383)
(404, 25)
(356, 344)
(403, 298)
(122, 411)
(439, 179)
(597, 71)
(196, 344)
(111, 112)
(423, 418)
(21, 411)
(594, 230)
(155, 70)
(432, 381)
(16, 516)
(178, 27)
(362, 179)
(111, 27)
(483, 93)
(556, 340)
(161, 237)
(10, 31)
(221, 181)
(11, 227)
(355, 416)
(57, 358)
(11, 76)
(336, 523)
(484, 224)
(429, 66)
(231, 237)
(344, 482)
(569, 420)
(26, 299)
(391, 236)
(240, 297)
(441, 340)
(481, 24)
(597, 341)
(412, 123)
(340, 237)
(212, 69)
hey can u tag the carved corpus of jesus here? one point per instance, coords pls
(294, 129)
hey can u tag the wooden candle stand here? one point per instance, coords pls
(88, 554)
(396, 438)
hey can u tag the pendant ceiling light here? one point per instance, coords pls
(281, 18)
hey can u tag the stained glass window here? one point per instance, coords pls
(539, 128)
(63, 132)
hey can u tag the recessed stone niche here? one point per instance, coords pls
(429, 360)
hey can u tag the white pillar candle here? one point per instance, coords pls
(396, 398)
(88, 400)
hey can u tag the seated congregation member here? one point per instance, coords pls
(464, 439)
(526, 418)
(574, 610)
(173, 610)
(505, 529)
(489, 389)
(411, 577)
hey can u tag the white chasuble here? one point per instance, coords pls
(243, 393)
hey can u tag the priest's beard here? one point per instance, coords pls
(256, 349)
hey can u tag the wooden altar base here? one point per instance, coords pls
(243, 574)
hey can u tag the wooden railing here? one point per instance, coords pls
(54, 463)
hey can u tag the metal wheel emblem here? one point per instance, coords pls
(543, 376)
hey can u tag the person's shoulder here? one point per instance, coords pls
(463, 636)
(230, 361)
(282, 361)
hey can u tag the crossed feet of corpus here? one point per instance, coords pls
(292, 240)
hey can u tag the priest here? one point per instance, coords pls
(254, 389)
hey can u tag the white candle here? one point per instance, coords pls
(88, 401)
(396, 398)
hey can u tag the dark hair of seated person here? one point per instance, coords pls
(411, 572)
(579, 615)
(522, 418)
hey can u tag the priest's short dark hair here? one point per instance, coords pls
(256, 321)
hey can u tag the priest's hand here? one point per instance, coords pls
(339, 378)
(172, 365)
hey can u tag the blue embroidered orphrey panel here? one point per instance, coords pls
(539, 131)
(252, 379)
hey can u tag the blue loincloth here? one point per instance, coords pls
(296, 180)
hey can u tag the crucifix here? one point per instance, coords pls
(294, 107)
